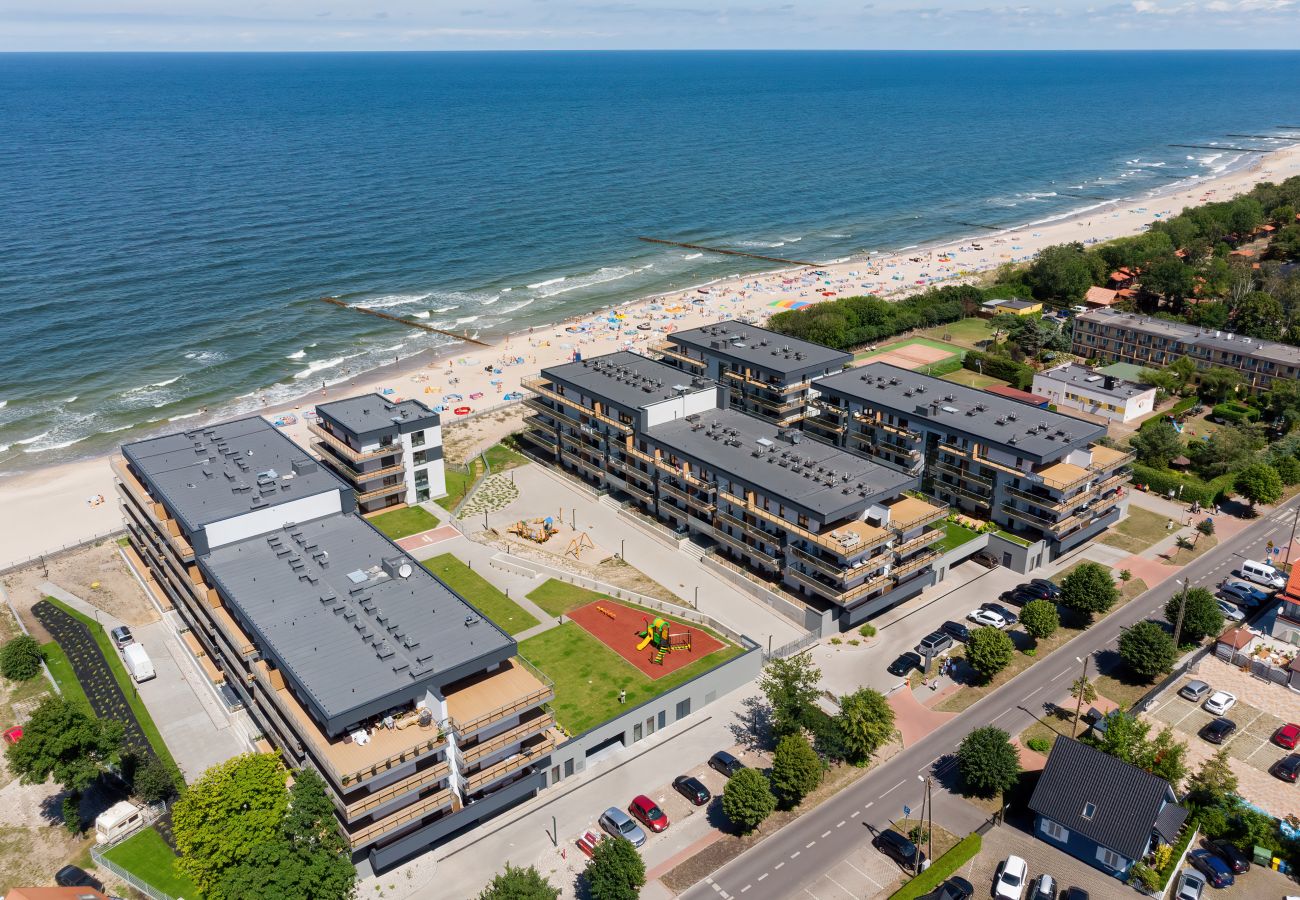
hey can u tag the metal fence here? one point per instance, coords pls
(97, 851)
(59, 551)
(792, 648)
(1258, 668)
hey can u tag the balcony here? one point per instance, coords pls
(483, 700)
(917, 543)
(875, 444)
(347, 452)
(499, 742)
(638, 492)
(404, 816)
(820, 540)
(540, 438)
(1041, 501)
(911, 512)
(958, 472)
(838, 595)
(772, 407)
(153, 509)
(541, 387)
(1039, 522)
(535, 404)
(914, 564)
(667, 348)
(590, 467)
(386, 491)
(685, 476)
(359, 478)
(1104, 459)
(820, 424)
(529, 755)
(1063, 476)
(422, 779)
(699, 503)
(748, 549)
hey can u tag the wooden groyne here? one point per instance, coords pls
(1216, 147)
(980, 225)
(407, 322)
(775, 259)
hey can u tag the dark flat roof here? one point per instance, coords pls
(305, 609)
(374, 412)
(215, 472)
(760, 347)
(1094, 381)
(1196, 336)
(725, 441)
(988, 417)
(625, 379)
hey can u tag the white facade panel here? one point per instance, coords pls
(680, 407)
(262, 521)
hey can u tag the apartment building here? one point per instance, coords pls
(350, 656)
(1039, 475)
(1082, 388)
(389, 452)
(1110, 336)
(828, 525)
(768, 375)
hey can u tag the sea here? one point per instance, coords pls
(169, 221)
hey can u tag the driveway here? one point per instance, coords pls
(1005, 840)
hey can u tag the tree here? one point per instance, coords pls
(1040, 618)
(987, 761)
(20, 658)
(150, 779)
(1288, 469)
(62, 739)
(791, 688)
(796, 770)
(1202, 617)
(1063, 272)
(517, 883)
(1259, 483)
(1218, 383)
(747, 799)
(1082, 686)
(1170, 277)
(616, 870)
(1156, 445)
(866, 722)
(1088, 589)
(1259, 315)
(1128, 738)
(1214, 782)
(232, 810)
(1147, 649)
(989, 651)
(1227, 450)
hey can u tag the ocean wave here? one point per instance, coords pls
(465, 319)
(59, 445)
(3, 403)
(206, 355)
(72, 399)
(4, 447)
(33, 439)
(167, 382)
(490, 300)
(424, 314)
(118, 428)
(603, 275)
(547, 283)
(389, 300)
(299, 355)
(692, 256)
(518, 306)
(318, 365)
(182, 416)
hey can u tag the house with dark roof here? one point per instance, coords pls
(1102, 810)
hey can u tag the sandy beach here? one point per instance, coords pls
(50, 508)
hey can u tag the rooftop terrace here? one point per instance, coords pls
(1095, 382)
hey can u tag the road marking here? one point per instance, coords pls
(862, 873)
(1034, 691)
(894, 788)
(1061, 675)
(827, 832)
(764, 875)
(999, 715)
(839, 824)
(777, 866)
(811, 894)
(869, 805)
(810, 844)
(795, 854)
(855, 814)
(745, 888)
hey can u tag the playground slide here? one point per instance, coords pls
(649, 635)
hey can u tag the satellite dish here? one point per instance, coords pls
(404, 570)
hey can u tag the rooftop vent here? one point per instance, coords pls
(357, 577)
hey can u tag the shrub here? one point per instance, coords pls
(1236, 413)
(1126, 575)
(616, 871)
(1040, 618)
(1039, 745)
(1205, 526)
(20, 658)
(1017, 374)
(867, 631)
(1288, 469)
(796, 770)
(747, 800)
(1148, 876)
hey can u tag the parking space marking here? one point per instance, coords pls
(862, 873)
(811, 894)
(838, 885)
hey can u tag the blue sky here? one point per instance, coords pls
(644, 24)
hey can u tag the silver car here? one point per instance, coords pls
(620, 824)
(1190, 885)
(1196, 691)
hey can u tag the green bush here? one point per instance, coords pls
(1179, 408)
(1193, 489)
(867, 631)
(1016, 374)
(20, 658)
(1038, 745)
(1236, 413)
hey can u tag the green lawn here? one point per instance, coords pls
(588, 675)
(461, 478)
(964, 332)
(61, 669)
(124, 681)
(487, 599)
(148, 857)
(558, 597)
(957, 535)
(1137, 531)
(972, 379)
(1006, 535)
(402, 523)
(959, 352)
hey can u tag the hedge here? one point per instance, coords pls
(1004, 368)
(1236, 413)
(941, 868)
(1183, 405)
(1193, 489)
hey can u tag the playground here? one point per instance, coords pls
(655, 644)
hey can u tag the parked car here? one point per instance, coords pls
(692, 789)
(74, 876)
(1228, 852)
(1262, 573)
(620, 824)
(1190, 886)
(1214, 869)
(725, 764)
(957, 630)
(1196, 691)
(1244, 594)
(934, 643)
(955, 888)
(1044, 888)
(898, 848)
(904, 664)
(1010, 617)
(648, 813)
(1219, 730)
(1009, 882)
(1287, 736)
(987, 560)
(987, 618)
(1073, 893)
(1050, 589)
(1020, 595)
(1078, 309)
(1220, 702)
(1231, 612)
(1287, 768)
(122, 636)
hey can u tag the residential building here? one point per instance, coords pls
(55, 893)
(1100, 297)
(1101, 810)
(1040, 476)
(1012, 307)
(767, 374)
(1286, 623)
(1111, 336)
(828, 525)
(388, 451)
(1081, 388)
(351, 657)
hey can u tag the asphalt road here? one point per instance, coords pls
(791, 859)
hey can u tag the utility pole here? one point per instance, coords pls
(1078, 707)
(916, 861)
(1182, 607)
(929, 795)
(1294, 523)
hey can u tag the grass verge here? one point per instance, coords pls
(558, 597)
(505, 612)
(1181, 557)
(1137, 531)
(966, 333)
(124, 681)
(461, 479)
(148, 857)
(972, 379)
(61, 668)
(402, 523)
(1008, 536)
(941, 868)
(956, 534)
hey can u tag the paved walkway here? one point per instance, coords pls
(914, 721)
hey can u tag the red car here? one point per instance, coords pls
(1287, 736)
(649, 813)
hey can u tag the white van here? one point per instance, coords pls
(1263, 573)
(137, 662)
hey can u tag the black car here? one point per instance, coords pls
(1288, 767)
(955, 888)
(692, 789)
(1002, 611)
(1073, 893)
(72, 876)
(1219, 730)
(1050, 590)
(956, 630)
(1214, 869)
(904, 664)
(1229, 853)
(898, 848)
(725, 764)
(1019, 596)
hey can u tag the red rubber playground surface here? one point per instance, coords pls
(618, 632)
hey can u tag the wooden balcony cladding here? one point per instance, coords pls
(910, 512)
(542, 439)
(497, 771)
(958, 472)
(748, 549)
(915, 563)
(543, 409)
(670, 349)
(403, 816)
(343, 449)
(498, 742)
(694, 500)
(503, 693)
(577, 460)
(385, 491)
(838, 595)
(916, 543)
(541, 387)
(414, 782)
(363, 477)
(684, 475)
(818, 539)
(1106, 458)
(153, 509)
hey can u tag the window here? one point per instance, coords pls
(555, 774)
(1110, 859)
(568, 767)
(1053, 830)
(650, 725)
(684, 708)
(636, 732)
(803, 521)
(1089, 810)
(417, 438)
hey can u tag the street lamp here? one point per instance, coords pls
(1078, 707)
(927, 807)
